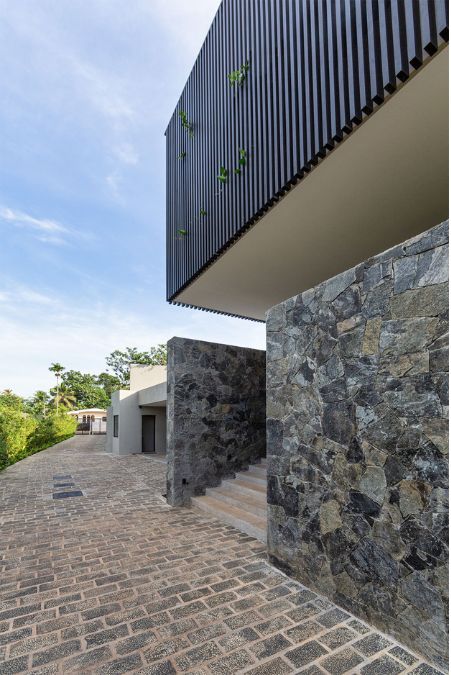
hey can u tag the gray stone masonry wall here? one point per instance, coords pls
(357, 439)
(215, 414)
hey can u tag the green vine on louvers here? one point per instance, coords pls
(239, 77)
(186, 124)
(236, 78)
(242, 161)
(223, 175)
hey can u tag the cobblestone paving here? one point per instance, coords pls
(114, 581)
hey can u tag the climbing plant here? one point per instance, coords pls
(242, 161)
(186, 124)
(238, 77)
(223, 175)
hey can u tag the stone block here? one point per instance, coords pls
(358, 443)
(216, 413)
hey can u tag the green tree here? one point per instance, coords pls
(108, 383)
(11, 400)
(58, 369)
(65, 398)
(38, 404)
(50, 430)
(119, 361)
(15, 427)
(86, 389)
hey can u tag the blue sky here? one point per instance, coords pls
(87, 89)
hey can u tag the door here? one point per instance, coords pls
(148, 432)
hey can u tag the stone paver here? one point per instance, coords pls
(115, 581)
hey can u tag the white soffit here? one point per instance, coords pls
(385, 183)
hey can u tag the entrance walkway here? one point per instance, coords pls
(115, 581)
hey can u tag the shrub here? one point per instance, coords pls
(22, 435)
(15, 429)
(49, 431)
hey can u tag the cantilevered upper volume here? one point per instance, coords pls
(264, 200)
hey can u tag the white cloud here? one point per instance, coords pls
(186, 24)
(38, 329)
(23, 294)
(104, 92)
(44, 229)
(113, 181)
(127, 154)
(25, 220)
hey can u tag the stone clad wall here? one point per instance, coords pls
(357, 396)
(215, 414)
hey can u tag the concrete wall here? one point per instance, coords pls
(126, 404)
(147, 396)
(216, 414)
(146, 376)
(109, 430)
(357, 396)
(160, 427)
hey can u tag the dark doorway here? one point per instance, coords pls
(148, 430)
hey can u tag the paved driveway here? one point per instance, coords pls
(112, 580)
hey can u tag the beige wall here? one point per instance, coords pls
(142, 377)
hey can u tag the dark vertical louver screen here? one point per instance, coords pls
(315, 67)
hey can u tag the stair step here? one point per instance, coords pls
(246, 487)
(252, 477)
(257, 471)
(244, 521)
(255, 505)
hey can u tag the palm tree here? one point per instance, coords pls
(40, 401)
(65, 398)
(57, 368)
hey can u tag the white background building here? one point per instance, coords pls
(90, 420)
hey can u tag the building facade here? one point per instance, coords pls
(90, 420)
(137, 416)
(307, 186)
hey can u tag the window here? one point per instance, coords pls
(115, 426)
(103, 419)
(84, 418)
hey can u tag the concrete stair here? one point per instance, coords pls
(239, 501)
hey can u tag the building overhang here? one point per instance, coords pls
(385, 183)
(155, 396)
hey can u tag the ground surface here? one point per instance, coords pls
(114, 581)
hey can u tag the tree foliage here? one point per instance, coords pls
(85, 388)
(65, 398)
(22, 434)
(51, 430)
(10, 400)
(39, 404)
(15, 428)
(120, 361)
(29, 426)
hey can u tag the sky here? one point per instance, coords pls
(86, 92)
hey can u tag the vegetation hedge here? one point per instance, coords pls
(22, 435)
